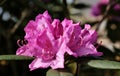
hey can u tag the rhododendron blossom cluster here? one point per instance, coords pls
(48, 40)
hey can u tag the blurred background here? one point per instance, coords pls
(15, 14)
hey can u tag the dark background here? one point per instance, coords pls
(15, 14)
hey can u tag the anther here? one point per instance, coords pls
(21, 42)
(18, 42)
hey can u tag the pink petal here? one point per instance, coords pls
(44, 15)
(45, 40)
(25, 51)
(37, 63)
(30, 29)
(65, 23)
(89, 49)
(58, 29)
(59, 61)
(88, 35)
(44, 24)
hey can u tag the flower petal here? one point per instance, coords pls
(24, 50)
(37, 63)
(44, 15)
(89, 49)
(58, 29)
(30, 30)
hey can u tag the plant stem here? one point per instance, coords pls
(78, 69)
(66, 11)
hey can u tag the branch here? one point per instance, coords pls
(23, 15)
(66, 11)
(109, 6)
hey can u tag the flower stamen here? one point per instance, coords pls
(21, 42)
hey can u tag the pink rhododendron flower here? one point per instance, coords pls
(48, 40)
(44, 43)
(80, 41)
(100, 8)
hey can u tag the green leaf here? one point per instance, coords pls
(52, 72)
(104, 64)
(15, 57)
(72, 67)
